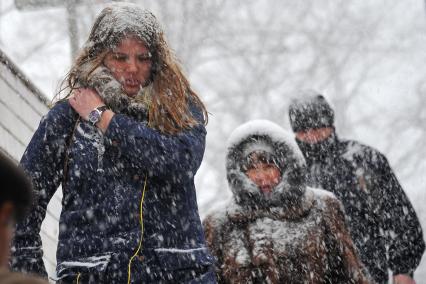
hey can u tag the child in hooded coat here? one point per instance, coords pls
(276, 229)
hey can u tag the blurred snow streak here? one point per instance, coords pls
(247, 58)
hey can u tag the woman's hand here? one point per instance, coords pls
(84, 100)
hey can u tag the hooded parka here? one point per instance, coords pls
(295, 235)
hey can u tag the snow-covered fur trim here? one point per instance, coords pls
(237, 213)
(111, 92)
(262, 127)
(263, 134)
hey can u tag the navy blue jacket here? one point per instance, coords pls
(103, 186)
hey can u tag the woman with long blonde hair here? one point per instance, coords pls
(125, 142)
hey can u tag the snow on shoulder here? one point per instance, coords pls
(265, 127)
(322, 193)
(324, 197)
(218, 212)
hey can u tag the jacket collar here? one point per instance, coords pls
(243, 215)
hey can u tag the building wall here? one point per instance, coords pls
(21, 107)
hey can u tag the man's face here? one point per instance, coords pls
(315, 135)
(265, 176)
(6, 232)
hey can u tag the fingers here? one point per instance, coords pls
(86, 92)
(74, 94)
(84, 100)
(82, 95)
(77, 100)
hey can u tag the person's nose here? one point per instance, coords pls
(262, 179)
(132, 65)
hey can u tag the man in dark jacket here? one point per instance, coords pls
(382, 221)
(15, 200)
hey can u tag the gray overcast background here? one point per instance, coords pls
(247, 58)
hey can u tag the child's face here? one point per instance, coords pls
(265, 176)
(6, 232)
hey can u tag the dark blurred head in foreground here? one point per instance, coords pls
(15, 201)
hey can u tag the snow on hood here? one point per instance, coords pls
(262, 127)
(266, 135)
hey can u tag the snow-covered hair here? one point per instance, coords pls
(169, 110)
(118, 21)
(277, 142)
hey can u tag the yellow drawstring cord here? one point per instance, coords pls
(140, 240)
(78, 278)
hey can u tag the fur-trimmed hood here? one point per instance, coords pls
(296, 235)
(266, 135)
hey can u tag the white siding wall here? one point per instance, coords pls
(21, 108)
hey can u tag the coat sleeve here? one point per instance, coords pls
(344, 263)
(157, 153)
(214, 242)
(43, 163)
(402, 229)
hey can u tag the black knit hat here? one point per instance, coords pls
(312, 111)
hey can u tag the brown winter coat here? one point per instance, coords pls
(295, 235)
(308, 245)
